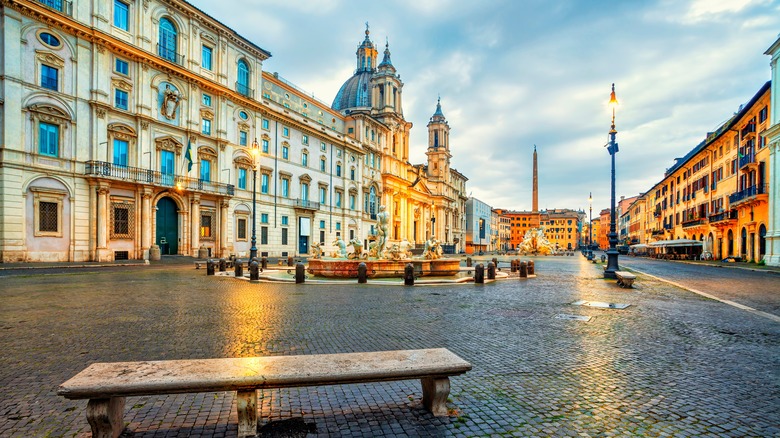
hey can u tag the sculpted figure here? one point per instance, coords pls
(406, 249)
(357, 247)
(316, 250)
(342, 248)
(382, 219)
(394, 253)
(432, 249)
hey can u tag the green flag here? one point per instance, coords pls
(188, 155)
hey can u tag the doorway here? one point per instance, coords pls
(167, 220)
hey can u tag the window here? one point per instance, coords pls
(206, 127)
(122, 220)
(263, 218)
(352, 174)
(322, 225)
(242, 136)
(323, 195)
(285, 152)
(48, 217)
(284, 236)
(168, 40)
(351, 202)
(166, 166)
(120, 15)
(206, 99)
(242, 84)
(265, 123)
(243, 115)
(264, 235)
(48, 139)
(265, 146)
(49, 39)
(205, 57)
(338, 170)
(304, 191)
(241, 229)
(242, 178)
(323, 148)
(120, 99)
(305, 159)
(322, 164)
(338, 199)
(285, 220)
(322, 237)
(49, 77)
(206, 225)
(305, 139)
(264, 183)
(121, 66)
(205, 170)
(120, 152)
(285, 188)
(338, 226)
(762, 115)
(285, 131)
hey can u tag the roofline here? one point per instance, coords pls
(774, 47)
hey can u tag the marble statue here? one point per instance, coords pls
(342, 248)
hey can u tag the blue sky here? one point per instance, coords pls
(512, 74)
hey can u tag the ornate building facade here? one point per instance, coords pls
(131, 125)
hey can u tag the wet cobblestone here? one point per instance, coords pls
(671, 364)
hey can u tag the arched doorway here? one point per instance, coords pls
(743, 249)
(167, 222)
(730, 240)
(761, 242)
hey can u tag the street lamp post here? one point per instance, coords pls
(255, 153)
(612, 148)
(590, 219)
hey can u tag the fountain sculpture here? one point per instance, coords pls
(534, 243)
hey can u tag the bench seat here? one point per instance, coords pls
(625, 279)
(107, 384)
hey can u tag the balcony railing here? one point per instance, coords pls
(170, 54)
(747, 130)
(748, 158)
(693, 222)
(135, 174)
(61, 6)
(747, 193)
(723, 216)
(306, 204)
(245, 90)
(657, 232)
(668, 227)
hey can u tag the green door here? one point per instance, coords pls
(167, 226)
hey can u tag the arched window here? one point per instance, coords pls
(242, 84)
(167, 45)
(372, 202)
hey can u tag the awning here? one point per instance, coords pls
(675, 242)
(638, 246)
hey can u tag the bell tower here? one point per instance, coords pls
(387, 87)
(438, 145)
(366, 54)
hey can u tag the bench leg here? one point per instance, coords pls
(105, 416)
(435, 392)
(247, 413)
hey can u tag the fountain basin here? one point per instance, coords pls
(340, 268)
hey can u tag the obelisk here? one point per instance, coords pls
(536, 185)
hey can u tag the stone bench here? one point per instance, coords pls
(625, 279)
(107, 384)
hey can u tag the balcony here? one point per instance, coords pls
(668, 227)
(61, 6)
(659, 232)
(694, 222)
(170, 54)
(748, 158)
(244, 90)
(305, 204)
(749, 194)
(104, 170)
(723, 216)
(748, 131)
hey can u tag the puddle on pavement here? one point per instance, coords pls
(601, 305)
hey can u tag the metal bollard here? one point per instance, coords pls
(523, 269)
(300, 273)
(468, 262)
(209, 267)
(514, 264)
(479, 274)
(531, 268)
(362, 272)
(491, 271)
(289, 260)
(222, 265)
(603, 258)
(409, 275)
(254, 271)
(264, 263)
(238, 268)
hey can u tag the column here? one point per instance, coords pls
(223, 227)
(195, 224)
(146, 221)
(102, 223)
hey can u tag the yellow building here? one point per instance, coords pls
(562, 227)
(718, 192)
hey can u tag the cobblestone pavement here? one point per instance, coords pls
(671, 364)
(759, 290)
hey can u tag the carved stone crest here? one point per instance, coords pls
(170, 102)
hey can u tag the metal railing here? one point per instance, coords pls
(305, 203)
(758, 189)
(135, 174)
(748, 158)
(694, 221)
(245, 90)
(170, 54)
(62, 6)
(723, 216)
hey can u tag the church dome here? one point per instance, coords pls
(356, 92)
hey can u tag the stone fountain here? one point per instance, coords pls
(534, 243)
(381, 260)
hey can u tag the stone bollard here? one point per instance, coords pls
(209, 267)
(362, 272)
(300, 273)
(263, 264)
(479, 274)
(289, 260)
(238, 268)
(531, 268)
(409, 275)
(523, 269)
(468, 262)
(222, 265)
(154, 253)
(254, 271)
(491, 271)
(514, 264)
(203, 252)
